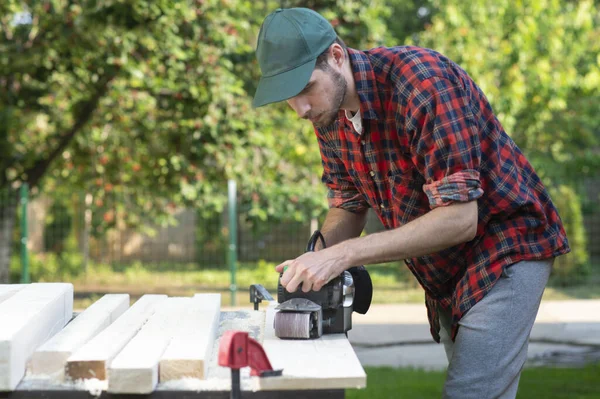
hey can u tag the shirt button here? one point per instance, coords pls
(372, 173)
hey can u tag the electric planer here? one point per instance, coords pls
(308, 315)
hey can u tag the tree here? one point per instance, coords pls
(150, 101)
(406, 19)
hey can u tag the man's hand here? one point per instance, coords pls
(312, 270)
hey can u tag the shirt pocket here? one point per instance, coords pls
(408, 201)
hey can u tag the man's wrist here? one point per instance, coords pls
(346, 254)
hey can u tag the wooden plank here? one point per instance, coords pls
(51, 357)
(93, 358)
(188, 354)
(135, 369)
(8, 290)
(219, 378)
(29, 318)
(325, 363)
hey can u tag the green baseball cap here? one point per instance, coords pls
(289, 42)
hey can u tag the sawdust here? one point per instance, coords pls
(92, 385)
(198, 385)
(56, 381)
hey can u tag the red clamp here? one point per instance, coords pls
(238, 350)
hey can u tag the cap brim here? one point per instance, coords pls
(283, 86)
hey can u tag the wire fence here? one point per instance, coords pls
(104, 236)
(84, 233)
(8, 216)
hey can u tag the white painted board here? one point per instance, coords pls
(8, 290)
(135, 368)
(188, 354)
(94, 357)
(28, 318)
(50, 358)
(325, 363)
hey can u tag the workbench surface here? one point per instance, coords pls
(323, 367)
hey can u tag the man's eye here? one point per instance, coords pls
(306, 89)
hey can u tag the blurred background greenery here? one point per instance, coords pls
(126, 118)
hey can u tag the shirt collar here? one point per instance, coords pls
(366, 84)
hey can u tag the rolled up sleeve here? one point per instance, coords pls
(445, 141)
(459, 187)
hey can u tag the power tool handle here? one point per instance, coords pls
(312, 242)
(363, 289)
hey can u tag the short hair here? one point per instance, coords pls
(322, 59)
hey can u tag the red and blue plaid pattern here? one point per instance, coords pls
(430, 138)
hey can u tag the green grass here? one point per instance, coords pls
(393, 282)
(186, 280)
(542, 382)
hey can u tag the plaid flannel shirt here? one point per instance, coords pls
(430, 138)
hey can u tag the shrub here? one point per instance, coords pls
(573, 267)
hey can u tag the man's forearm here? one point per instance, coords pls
(341, 225)
(439, 229)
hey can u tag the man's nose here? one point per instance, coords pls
(302, 107)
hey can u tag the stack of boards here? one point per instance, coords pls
(158, 338)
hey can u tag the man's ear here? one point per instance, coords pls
(337, 54)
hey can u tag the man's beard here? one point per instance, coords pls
(339, 95)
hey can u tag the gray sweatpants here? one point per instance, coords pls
(490, 348)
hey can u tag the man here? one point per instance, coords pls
(405, 131)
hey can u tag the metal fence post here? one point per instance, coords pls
(87, 223)
(24, 196)
(232, 199)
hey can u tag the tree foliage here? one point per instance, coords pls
(150, 101)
